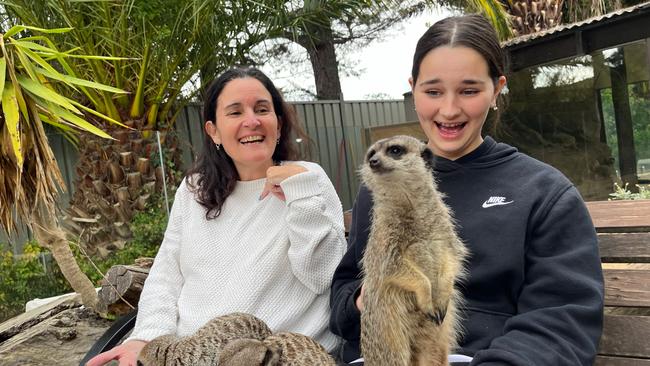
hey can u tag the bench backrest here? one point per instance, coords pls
(624, 240)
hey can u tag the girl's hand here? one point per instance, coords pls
(276, 175)
(359, 301)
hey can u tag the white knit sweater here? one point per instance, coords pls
(269, 258)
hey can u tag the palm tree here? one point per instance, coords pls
(31, 82)
(163, 44)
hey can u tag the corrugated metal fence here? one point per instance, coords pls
(337, 130)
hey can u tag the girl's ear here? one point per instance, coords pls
(212, 131)
(411, 83)
(501, 82)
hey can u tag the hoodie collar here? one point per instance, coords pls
(488, 153)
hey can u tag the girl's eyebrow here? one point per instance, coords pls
(466, 81)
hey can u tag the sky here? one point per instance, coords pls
(384, 66)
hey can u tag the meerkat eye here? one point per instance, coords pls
(395, 151)
(370, 154)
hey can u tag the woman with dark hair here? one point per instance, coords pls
(251, 229)
(534, 290)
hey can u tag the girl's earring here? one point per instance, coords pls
(218, 146)
(494, 107)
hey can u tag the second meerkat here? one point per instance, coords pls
(412, 262)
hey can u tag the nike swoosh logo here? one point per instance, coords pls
(486, 205)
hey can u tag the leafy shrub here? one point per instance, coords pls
(26, 277)
(623, 193)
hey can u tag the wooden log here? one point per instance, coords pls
(122, 282)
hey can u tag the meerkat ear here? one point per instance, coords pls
(427, 156)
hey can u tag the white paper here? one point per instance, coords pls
(451, 358)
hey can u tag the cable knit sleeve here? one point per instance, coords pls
(157, 308)
(315, 225)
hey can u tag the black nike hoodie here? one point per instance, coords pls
(534, 294)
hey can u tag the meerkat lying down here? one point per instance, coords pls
(236, 339)
(412, 261)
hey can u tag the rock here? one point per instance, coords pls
(59, 333)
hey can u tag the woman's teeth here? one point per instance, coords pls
(250, 139)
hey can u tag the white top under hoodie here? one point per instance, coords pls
(269, 258)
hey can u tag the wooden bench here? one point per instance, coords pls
(624, 239)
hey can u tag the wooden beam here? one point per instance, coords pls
(625, 247)
(627, 287)
(625, 335)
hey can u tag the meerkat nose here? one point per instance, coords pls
(374, 162)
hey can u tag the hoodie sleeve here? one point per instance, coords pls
(345, 318)
(560, 305)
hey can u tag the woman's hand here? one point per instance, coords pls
(126, 353)
(276, 175)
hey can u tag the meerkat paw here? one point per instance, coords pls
(437, 316)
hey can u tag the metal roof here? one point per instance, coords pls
(581, 38)
(565, 27)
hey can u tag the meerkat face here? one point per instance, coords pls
(397, 161)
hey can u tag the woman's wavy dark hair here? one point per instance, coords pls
(213, 176)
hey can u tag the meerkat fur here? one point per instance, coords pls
(412, 262)
(281, 349)
(203, 347)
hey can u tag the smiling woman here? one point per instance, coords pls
(252, 230)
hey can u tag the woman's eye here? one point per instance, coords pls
(233, 113)
(262, 110)
(433, 93)
(469, 92)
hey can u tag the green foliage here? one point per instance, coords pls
(26, 277)
(640, 108)
(622, 193)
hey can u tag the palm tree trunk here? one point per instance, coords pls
(48, 233)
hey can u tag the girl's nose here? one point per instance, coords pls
(450, 108)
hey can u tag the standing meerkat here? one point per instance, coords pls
(203, 347)
(412, 261)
